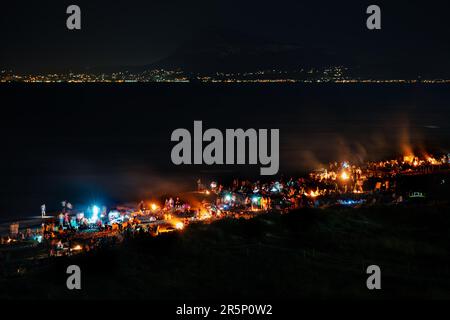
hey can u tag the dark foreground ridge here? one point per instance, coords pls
(305, 253)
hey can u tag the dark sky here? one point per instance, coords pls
(119, 33)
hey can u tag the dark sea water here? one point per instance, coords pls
(110, 143)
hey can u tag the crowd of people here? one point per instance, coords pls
(338, 184)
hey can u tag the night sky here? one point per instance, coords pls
(129, 33)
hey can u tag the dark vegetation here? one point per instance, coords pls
(303, 254)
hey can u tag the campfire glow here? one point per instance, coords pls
(179, 225)
(313, 194)
(344, 175)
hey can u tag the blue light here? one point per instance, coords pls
(95, 212)
(277, 187)
(351, 202)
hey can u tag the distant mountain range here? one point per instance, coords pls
(215, 51)
(219, 51)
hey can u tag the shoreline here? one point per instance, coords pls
(24, 223)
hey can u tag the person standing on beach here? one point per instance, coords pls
(43, 210)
